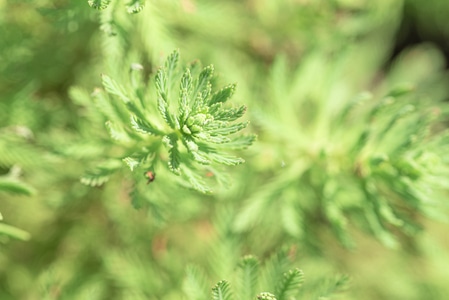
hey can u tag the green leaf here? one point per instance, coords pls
(201, 157)
(207, 138)
(98, 4)
(374, 217)
(290, 284)
(224, 128)
(381, 106)
(195, 180)
(13, 186)
(14, 232)
(139, 158)
(362, 141)
(229, 114)
(171, 63)
(190, 144)
(221, 291)
(193, 149)
(222, 158)
(251, 211)
(204, 95)
(184, 108)
(117, 132)
(161, 83)
(112, 110)
(388, 214)
(195, 284)
(171, 141)
(254, 206)
(339, 222)
(401, 113)
(402, 90)
(114, 88)
(184, 96)
(162, 91)
(143, 126)
(162, 106)
(137, 200)
(333, 286)
(203, 80)
(186, 81)
(375, 223)
(132, 162)
(222, 95)
(272, 269)
(96, 177)
(238, 143)
(101, 174)
(135, 6)
(247, 277)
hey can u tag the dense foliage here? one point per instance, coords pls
(193, 149)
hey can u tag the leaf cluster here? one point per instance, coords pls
(372, 161)
(325, 163)
(270, 281)
(187, 127)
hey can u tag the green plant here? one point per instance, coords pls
(190, 136)
(351, 139)
(271, 281)
(374, 161)
(10, 183)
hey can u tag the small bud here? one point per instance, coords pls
(186, 129)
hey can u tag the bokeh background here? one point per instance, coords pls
(91, 243)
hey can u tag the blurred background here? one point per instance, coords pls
(90, 243)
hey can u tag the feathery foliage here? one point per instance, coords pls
(195, 126)
(352, 139)
(248, 281)
(373, 161)
(221, 291)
